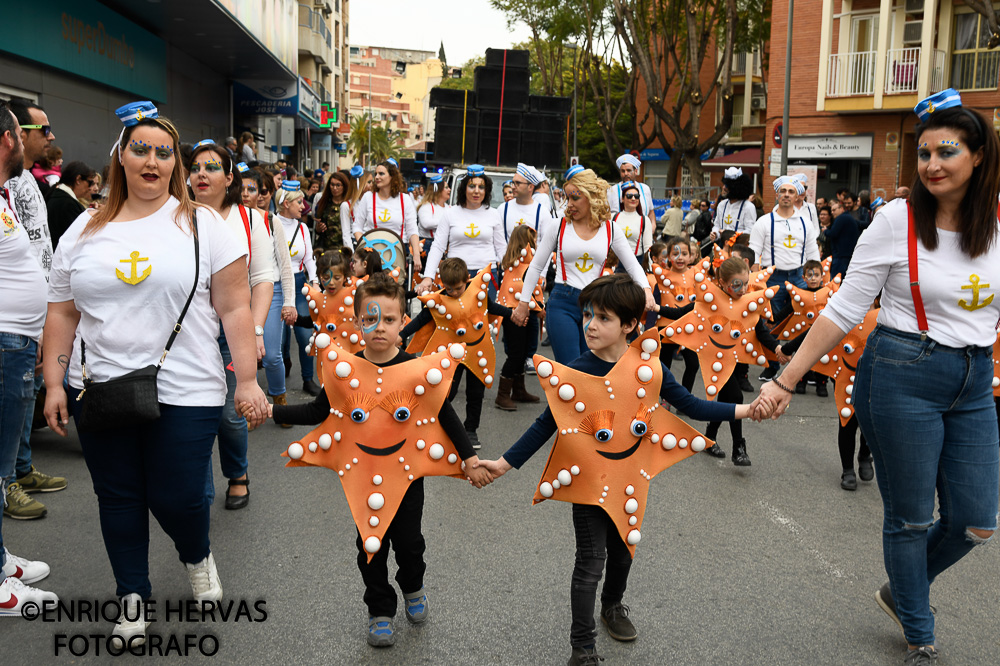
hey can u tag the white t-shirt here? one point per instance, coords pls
(512, 214)
(282, 262)
(127, 325)
(387, 214)
(428, 218)
(23, 280)
(808, 212)
(467, 234)
(258, 245)
(615, 198)
(794, 241)
(578, 261)
(299, 246)
(543, 198)
(27, 201)
(881, 261)
(738, 216)
(638, 231)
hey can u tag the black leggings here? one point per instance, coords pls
(730, 392)
(474, 392)
(845, 442)
(690, 363)
(517, 341)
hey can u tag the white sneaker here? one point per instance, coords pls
(131, 628)
(204, 577)
(529, 367)
(27, 571)
(14, 595)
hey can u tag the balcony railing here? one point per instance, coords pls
(851, 74)
(901, 69)
(976, 70)
(740, 61)
(736, 129)
(314, 20)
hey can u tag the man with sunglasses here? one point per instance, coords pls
(29, 205)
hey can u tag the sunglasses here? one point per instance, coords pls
(631, 196)
(46, 129)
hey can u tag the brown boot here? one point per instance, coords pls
(280, 400)
(519, 393)
(503, 400)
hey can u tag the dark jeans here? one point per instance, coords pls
(159, 468)
(306, 362)
(845, 442)
(597, 540)
(730, 392)
(233, 436)
(406, 539)
(517, 340)
(474, 392)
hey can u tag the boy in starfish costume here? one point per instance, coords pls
(613, 438)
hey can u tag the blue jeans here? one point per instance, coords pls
(23, 465)
(777, 280)
(157, 468)
(274, 363)
(17, 394)
(302, 335)
(232, 428)
(927, 413)
(565, 323)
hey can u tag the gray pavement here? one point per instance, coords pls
(772, 564)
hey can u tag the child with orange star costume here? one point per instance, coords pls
(386, 493)
(457, 313)
(676, 286)
(614, 437)
(723, 335)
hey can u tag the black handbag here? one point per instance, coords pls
(131, 399)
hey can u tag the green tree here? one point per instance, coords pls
(465, 82)
(385, 142)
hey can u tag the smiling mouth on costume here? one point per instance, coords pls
(621, 455)
(386, 451)
(721, 346)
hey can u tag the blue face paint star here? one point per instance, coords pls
(372, 318)
(588, 313)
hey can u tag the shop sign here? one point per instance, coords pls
(265, 98)
(830, 147)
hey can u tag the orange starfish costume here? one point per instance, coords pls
(842, 362)
(367, 438)
(614, 436)
(334, 315)
(806, 306)
(513, 283)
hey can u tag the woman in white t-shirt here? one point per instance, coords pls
(389, 206)
(431, 208)
(119, 281)
(923, 388)
(581, 241)
(634, 223)
(217, 183)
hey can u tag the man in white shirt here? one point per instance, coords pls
(28, 203)
(523, 209)
(628, 168)
(21, 320)
(540, 191)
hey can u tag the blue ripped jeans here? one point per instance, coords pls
(17, 394)
(927, 413)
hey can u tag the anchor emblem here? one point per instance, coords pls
(472, 232)
(930, 109)
(521, 221)
(728, 220)
(385, 215)
(789, 241)
(134, 278)
(587, 263)
(975, 287)
(628, 232)
(293, 253)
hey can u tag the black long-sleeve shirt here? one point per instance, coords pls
(315, 412)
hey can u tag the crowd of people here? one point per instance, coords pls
(220, 261)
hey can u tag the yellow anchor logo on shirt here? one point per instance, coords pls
(385, 215)
(727, 220)
(789, 241)
(628, 232)
(472, 232)
(975, 287)
(587, 263)
(292, 253)
(521, 221)
(133, 278)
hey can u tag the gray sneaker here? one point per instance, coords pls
(883, 597)
(381, 631)
(922, 656)
(416, 606)
(474, 439)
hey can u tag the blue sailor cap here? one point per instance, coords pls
(290, 185)
(937, 102)
(574, 170)
(476, 170)
(133, 112)
(434, 178)
(357, 171)
(242, 167)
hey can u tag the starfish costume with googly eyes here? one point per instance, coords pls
(720, 330)
(842, 362)
(676, 289)
(382, 432)
(806, 306)
(614, 436)
(334, 316)
(463, 320)
(513, 282)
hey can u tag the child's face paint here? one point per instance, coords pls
(381, 322)
(602, 328)
(737, 285)
(814, 278)
(588, 316)
(680, 257)
(332, 280)
(371, 319)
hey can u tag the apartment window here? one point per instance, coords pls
(972, 66)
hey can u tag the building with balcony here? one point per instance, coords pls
(322, 66)
(851, 110)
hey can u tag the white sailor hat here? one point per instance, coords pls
(574, 170)
(789, 180)
(528, 172)
(732, 172)
(540, 175)
(628, 158)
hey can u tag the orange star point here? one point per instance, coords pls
(842, 362)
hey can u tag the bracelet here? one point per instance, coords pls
(782, 386)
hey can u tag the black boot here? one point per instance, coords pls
(740, 457)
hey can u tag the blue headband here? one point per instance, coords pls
(573, 170)
(878, 202)
(476, 170)
(243, 168)
(357, 171)
(203, 142)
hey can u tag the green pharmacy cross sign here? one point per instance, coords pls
(328, 115)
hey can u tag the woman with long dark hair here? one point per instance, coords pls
(333, 214)
(923, 390)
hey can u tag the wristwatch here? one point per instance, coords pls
(258, 330)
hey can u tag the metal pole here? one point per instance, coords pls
(788, 86)
(368, 162)
(576, 53)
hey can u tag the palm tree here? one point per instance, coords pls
(357, 142)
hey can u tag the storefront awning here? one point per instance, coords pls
(748, 158)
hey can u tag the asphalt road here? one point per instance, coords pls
(772, 564)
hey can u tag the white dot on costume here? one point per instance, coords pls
(448, 316)
(649, 345)
(631, 505)
(633, 537)
(641, 393)
(852, 379)
(718, 355)
(698, 444)
(432, 303)
(436, 451)
(669, 442)
(769, 293)
(711, 390)
(717, 366)
(376, 501)
(629, 489)
(457, 351)
(295, 451)
(348, 301)
(419, 389)
(340, 309)
(347, 466)
(378, 390)
(654, 438)
(325, 441)
(607, 382)
(312, 447)
(323, 341)
(378, 380)
(305, 290)
(996, 382)
(479, 354)
(834, 358)
(452, 458)
(486, 277)
(683, 443)
(850, 389)
(700, 327)
(489, 378)
(845, 412)
(715, 378)
(442, 309)
(644, 356)
(483, 362)
(704, 287)
(752, 307)
(406, 467)
(611, 397)
(575, 471)
(401, 458)
(824, 359)
(354, 338)
(544, 369)
(699, 277)
(341, 472)
(565, 478)
(373, 521)
(580, 406)
(601, 499)
(567, 392)
(749, 346)
(554, 380)
(510, 290)
(377, 480)
(689, 328)
(331, 355)
(421, 444)
(337, 436)
(669, 330)
(632, 520)
(610, 389)
(545, 489)
(481, 296)
(434, 376)
(372, 544)
(309, 350)
(847, 401)
(312, 305)
(644, 373)
(556, 484)
(761, 360)
(709, 298)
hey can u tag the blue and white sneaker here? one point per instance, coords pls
(381, 631)
(416, 606)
